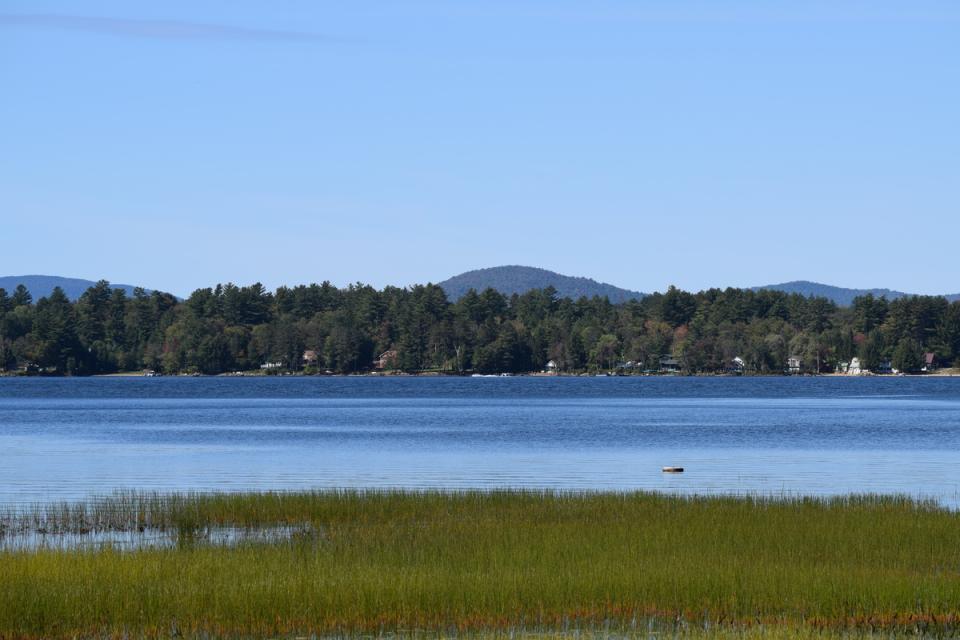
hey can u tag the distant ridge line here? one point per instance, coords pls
(841, 295)
(508, 280)
(41, 286)
(511, 279)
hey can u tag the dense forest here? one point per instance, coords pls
(230, 328)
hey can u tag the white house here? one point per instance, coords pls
(855, 369)
(794, 364)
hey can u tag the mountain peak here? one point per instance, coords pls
(510, 279)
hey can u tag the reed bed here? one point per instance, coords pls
(501, 562)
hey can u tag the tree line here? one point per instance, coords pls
(230, 328)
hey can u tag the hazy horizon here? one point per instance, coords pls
(179, 145)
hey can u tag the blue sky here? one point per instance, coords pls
(180, 144)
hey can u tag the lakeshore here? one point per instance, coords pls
(319, 329)
(947, 372)
(499, 562)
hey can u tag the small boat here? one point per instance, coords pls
(673, 469)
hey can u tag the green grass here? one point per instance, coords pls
(475, 562)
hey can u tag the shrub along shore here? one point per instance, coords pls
(501, 562)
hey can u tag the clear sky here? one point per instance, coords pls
(178, 144)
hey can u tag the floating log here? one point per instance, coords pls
(673, 469)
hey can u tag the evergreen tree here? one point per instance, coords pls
(21, 297)
(908, 356)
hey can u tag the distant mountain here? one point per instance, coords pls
(840, 295)
(516, 279)
(508, 280)
(42, 286)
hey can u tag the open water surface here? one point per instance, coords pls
(73, 438)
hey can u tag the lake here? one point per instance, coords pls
(72, 438)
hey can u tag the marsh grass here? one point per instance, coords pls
(506, 562)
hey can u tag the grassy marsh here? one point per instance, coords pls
(482, 562)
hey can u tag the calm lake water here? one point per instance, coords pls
(70, 438)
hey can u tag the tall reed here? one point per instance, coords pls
(486, 561)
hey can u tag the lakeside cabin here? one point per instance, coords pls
(387, 360)
(929, 362)
(794, 364)
(886, 368)
(737, 365)
(669, 364)
(855, 368)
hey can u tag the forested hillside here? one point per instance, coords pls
(238, 328)
(841, 295)
(40, 286)
(512, 279)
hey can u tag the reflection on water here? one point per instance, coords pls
(67, 439)
(31, 539)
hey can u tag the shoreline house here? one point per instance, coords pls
(737, 365)
(550, 367)
(629, 365)
(886, 368)
(386, 360)
(669, 364)
(929, 362)
(794, 364)
(310, 358)
(855, 368)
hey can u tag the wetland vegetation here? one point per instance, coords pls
(498, 562)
